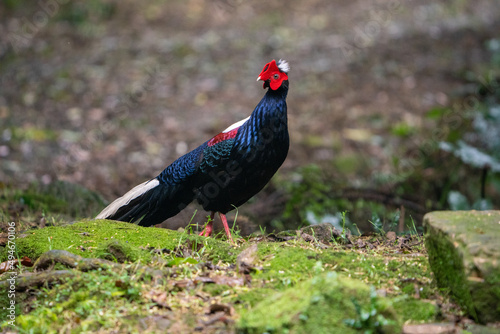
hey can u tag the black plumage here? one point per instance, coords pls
(222, 173)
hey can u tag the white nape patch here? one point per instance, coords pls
(283, 66)
(127, 198)
(236, 125)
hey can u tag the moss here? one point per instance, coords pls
(56, 197)
(316, 305)
(414, 310)
(250, 298)
(5, 302)
(90, 301)
(216, 289)
(80, 201)
(86, 238)
(486, 297)
(448, 268)
(286, 264)
(119, 251)
(462, 246)
(39, 201)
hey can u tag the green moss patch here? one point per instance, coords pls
(90, 301)
(56, 197)
(96, 238)
(311, 285)
(287, 265)
(319, 304)
(464, 253)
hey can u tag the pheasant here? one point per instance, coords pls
(223, 172)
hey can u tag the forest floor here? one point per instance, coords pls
(113, 277)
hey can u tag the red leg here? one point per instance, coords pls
(209, 227)
(226, 227)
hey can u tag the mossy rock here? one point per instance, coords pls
(326, 303)
(57, 197)
(96, 238)
(464, 254)
(118, 251)
(80, 201)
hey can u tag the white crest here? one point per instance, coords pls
(283, 66)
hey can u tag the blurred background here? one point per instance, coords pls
(393, 105)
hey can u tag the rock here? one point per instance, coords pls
(245, 262)
(325, 233)
(464, 254)
(478, 329)
(431, 329)
(158, 322)
(118, 251)
(391, 235)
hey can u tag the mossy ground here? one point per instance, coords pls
(321, 299)
(86, 238)
(310, 286)
(119, 301)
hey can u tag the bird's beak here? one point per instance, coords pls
(258, 78)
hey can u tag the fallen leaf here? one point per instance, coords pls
(225, 308)
(159, 297)
(182, 284)
(230, 281)
(203, 279)
(3, 239)
(6, 266)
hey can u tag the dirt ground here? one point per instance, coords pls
(107, 93)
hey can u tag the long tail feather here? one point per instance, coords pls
(122, 202)
(147, 204)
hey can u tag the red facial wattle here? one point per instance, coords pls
(272, 73)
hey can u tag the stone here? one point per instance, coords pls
(464, 255)
(431, 329)
(245, 262)
(391, 235)
(326, 233)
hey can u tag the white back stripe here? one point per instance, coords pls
(236, 125)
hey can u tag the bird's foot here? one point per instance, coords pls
(207, 231)
(226, 227)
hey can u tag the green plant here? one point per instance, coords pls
(377, 224)
(315, 196)
(414, 231)
(80, 13)
(370, 319)
(458, 201)
(235, 231)
(262, 230)
(344, 229)
(190, 225)
(476, 144)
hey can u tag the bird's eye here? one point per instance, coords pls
(276, 76)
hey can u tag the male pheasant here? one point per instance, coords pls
(222, 173)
